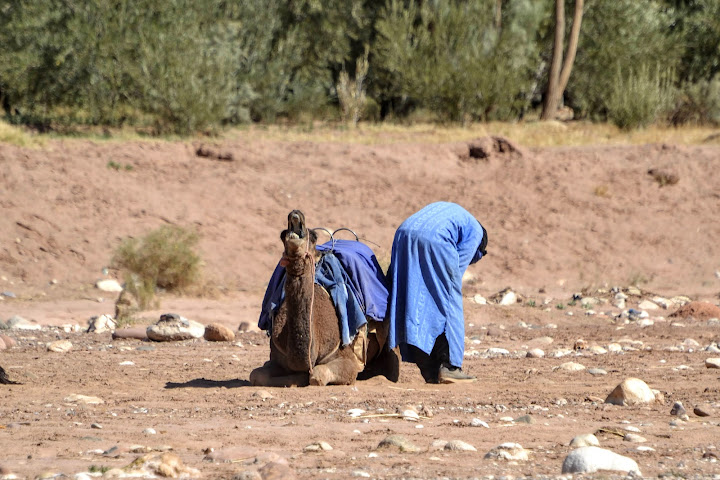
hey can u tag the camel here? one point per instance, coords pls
(305, 336)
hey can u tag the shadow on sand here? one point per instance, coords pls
(205, 383)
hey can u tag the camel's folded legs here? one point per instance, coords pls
(272, 375)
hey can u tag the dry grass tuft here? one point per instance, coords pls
(18, 136)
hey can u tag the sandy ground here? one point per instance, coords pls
(560, 220)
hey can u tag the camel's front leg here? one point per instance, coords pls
(272, 375)
(340, 371)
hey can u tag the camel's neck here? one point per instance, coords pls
(299, 303)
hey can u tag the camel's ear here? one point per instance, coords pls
(283, 234)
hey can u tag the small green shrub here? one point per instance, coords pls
(698, 103)
(638, 97)
(164, 258)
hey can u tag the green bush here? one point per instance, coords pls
(164, 258)
(698, 103)
(638, 98)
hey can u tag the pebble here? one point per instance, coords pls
(585, 440)
(508, 451)
(703, 410)
(109, 285)
(529, 419)
(597, 350)
(712, 362)
(216, 332)
(355, 412)
(318, 447)
(596, 371)
(570, 367)
(263, 395)
(647, 305)
(509, 298)
(60, 346)
(592, 459)
(86, 399)
(8, 341)
(459, 446)
(149, 431)
(173, 327)
(476, 422)
(535, 353)
(678, 410)
(400, 442)
(631, 391)
(634, 437)
(19, 323)
(479, 299)
(277, 471)
(101, 324)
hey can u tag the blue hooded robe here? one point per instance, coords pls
(430, 253)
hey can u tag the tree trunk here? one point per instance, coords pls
(558, 77)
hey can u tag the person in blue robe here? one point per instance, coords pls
(430, 253)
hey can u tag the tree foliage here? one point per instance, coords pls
(195, 65)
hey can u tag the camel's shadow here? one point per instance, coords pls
(205, 383)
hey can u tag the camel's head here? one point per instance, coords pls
(299, 243)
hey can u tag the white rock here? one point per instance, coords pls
(585, 440)
(508, 451)
(410, 415)
(614, 348)
(571, 367)
(173, 327)
(102, 323)
(60, 346)
(630, 392)
(634, 437)
(510, 298)
(712, 362)
(592, 459)
(535, 353)
(77, 398)
(597, 350)
(149, 431)
(479, 299)
(476, 422)
(497, 352)
(647, 305)
(663, 302)
(109, 285)
(459, 446)
(355, 412)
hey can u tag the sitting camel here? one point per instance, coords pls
(305, 336)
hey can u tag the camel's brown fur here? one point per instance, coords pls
(305, 337)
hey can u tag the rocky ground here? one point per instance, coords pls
(612, 275)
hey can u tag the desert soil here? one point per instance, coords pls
(561, 221)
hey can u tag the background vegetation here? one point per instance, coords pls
(188, 66)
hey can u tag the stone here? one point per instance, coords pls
(704, 410)
(712, 362)
(571, 367)
(509, 298)
(647, 305)
(596, 372)
(109, 285)
(173, 327)
(60, 346)
(399, 442)
(101, 324)
(476, 422)
(529, 419)
(678, 410)
(86, 399)
(591, 459)
(631, 391)
(264, 395)
(459, 446)
(479, 299)
(597, 350)
(535, 353)
(585, 440)
(139, 333)
(508, 451)
(277, 471)
(17, 322)
(216, 332)
(634, 438)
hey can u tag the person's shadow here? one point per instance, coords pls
(205, 383)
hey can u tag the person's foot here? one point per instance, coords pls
(450, 374)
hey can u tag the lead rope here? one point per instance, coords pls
(312, 302)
